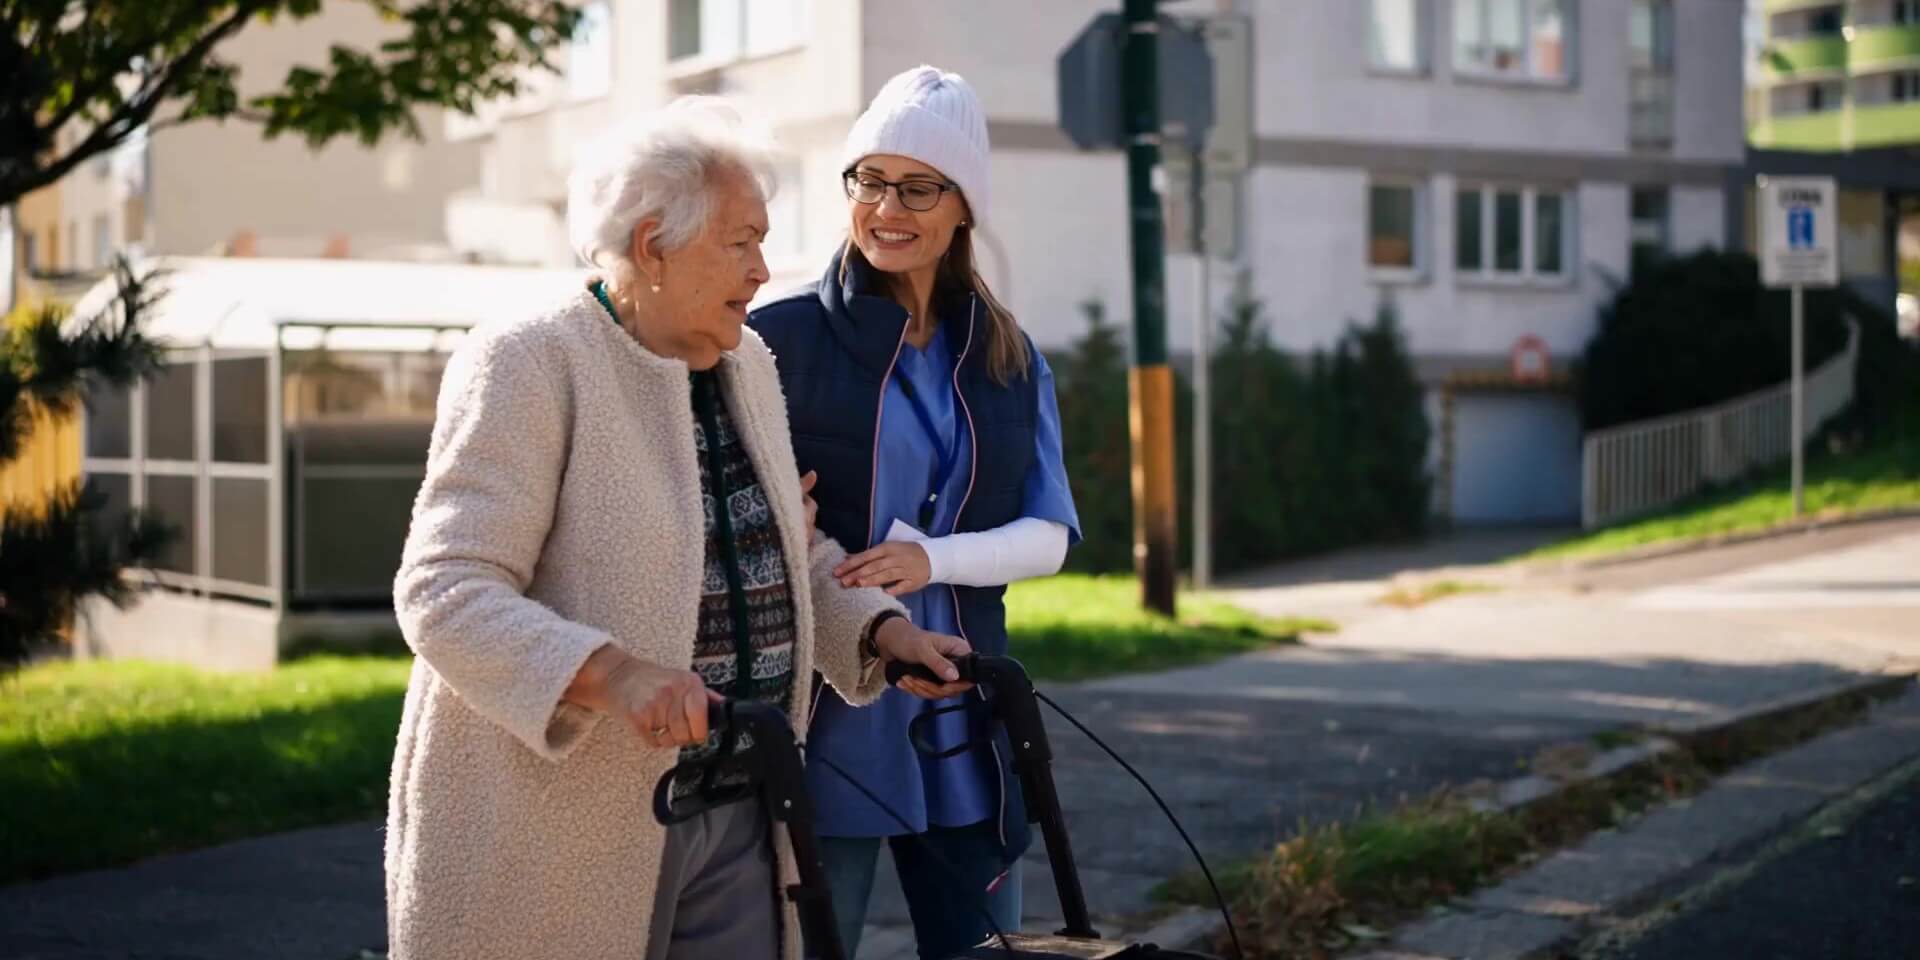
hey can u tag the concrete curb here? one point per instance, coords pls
(1540, 924)
(1658, 551)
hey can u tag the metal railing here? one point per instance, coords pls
(1639, 467)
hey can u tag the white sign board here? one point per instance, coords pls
(1798, 224)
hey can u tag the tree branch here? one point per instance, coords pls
(132, 112)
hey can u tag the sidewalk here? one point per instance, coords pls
(1397, 703)
(1848, 902)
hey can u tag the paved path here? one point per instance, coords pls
(1396, 703)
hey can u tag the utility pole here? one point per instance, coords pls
(1150, 380)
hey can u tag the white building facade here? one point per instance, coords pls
(1488, 166)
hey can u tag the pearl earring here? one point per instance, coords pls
(656, 288)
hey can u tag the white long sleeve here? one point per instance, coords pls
(1027, 547)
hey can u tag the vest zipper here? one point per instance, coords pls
(973, 469)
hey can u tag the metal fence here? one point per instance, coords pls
(1636, 468)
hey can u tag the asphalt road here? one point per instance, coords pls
(1853, 894)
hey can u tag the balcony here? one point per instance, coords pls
(1805, 131)
(1805, 55)
(1884, 43)
(1784, 6)
(1886, 124)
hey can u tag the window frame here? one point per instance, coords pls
(1422, 41)
(1422, 220)
(1528, 76)
(1664, 246)
(587, 42)
(738, 51)
(1529, 274)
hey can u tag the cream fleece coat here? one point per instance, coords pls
(560, 512)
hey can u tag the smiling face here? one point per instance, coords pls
(893, 238)
(705, 286)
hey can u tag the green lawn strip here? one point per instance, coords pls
(1337, 885)
(106, 762)
(103, 762)
(1882, 478)
(1074, 627)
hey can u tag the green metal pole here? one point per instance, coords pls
(1150, 381)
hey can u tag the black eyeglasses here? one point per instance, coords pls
(916, 195)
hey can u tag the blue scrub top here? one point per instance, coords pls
(870, 743)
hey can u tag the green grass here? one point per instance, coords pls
(1882, 478)
(106, 762)
(1072, 627)
(101, 762)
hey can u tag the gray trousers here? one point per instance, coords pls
(716, 896)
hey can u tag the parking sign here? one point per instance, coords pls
(1797, 221)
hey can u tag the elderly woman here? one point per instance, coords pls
(612, 530)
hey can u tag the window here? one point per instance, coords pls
(1522, 39)
(172, 498)
(102, 240)
(170, 413)
(73, 245)
(240, 409)
(1467, 230)
(726, 30)
(1650, 81)
(1650, 34)
(1394, 39)
(1507, 231)
(29, 251)
(590, 53)
(1648, 228)
(110, 423)
(1906, 11)
(1549, 234)
(1824, 23)
(1393, 228)
(1816, 98)
(1906, 86)
(1511, 232)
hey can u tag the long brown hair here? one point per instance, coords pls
(1006, 348)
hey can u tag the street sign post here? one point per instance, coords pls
(1186, 92)
(1797, 251)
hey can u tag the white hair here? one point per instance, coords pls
(664, 166)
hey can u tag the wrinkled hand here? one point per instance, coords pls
(899, 565)
(666, 708)
(898, 639)
(807, 480)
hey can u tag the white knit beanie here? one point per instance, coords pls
(931, 116)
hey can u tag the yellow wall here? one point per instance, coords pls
(49, 459)
(49, 456)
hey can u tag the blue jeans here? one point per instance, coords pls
(945, 905)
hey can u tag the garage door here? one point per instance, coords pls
(1516, 458)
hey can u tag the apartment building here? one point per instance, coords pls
(1838, 74)
(221, 189)
(1488, 166)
